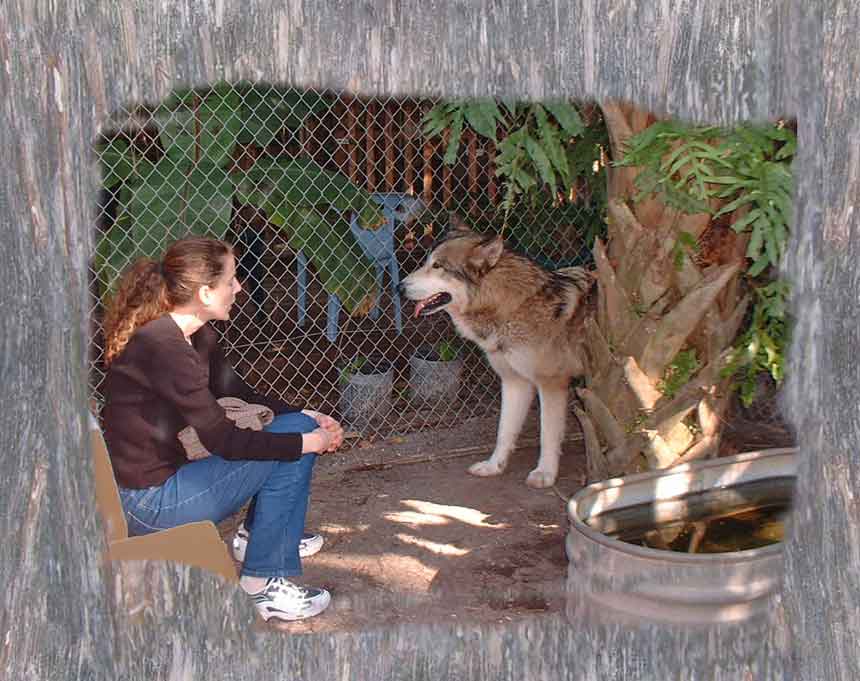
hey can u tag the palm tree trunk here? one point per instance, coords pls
(651, 306)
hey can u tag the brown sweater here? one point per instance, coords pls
(158, 385)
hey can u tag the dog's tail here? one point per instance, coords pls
(578, 282)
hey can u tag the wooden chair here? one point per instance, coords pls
(196, 544)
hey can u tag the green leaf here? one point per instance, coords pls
(159, 205)
(523, 180)
(266, 110)
(436, 120)
(336, 256)
(772, 250)
(679, 372)
(454, 140)
(203, 127)
(567, 117)
(284, 184)
(482, 115)
(788, 150)
(733, 205)
(552, 144)
(115, 161)
(688, 240)
(724, 179)
(512, 106)
(741, 224)
(756, 240)
(540, 160)
(670, 163)
(757, 267)
(170, 198)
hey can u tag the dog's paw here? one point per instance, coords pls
(540, 479)
(485, 469)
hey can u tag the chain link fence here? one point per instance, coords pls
(328, 199)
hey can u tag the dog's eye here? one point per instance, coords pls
(436, 266)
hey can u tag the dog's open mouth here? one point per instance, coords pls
(432, 304)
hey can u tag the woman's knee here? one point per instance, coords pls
(292, 422)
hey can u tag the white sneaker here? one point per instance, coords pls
(282, 599)
(308, 545)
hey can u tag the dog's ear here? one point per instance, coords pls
(457, 226)
(486, 254)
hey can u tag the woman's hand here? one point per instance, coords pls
(330, 426)
(317, 441)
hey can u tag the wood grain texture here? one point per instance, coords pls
(65, 66)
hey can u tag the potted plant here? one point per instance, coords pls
(365, 389)
(434, 371)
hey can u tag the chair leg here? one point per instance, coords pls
(394, 272)
(332, 317)
(374, 313)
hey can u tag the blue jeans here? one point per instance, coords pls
(214, 489)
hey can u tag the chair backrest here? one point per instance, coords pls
(378, 244)
(107, 492)
(402, 206)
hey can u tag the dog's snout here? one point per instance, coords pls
(401, 289)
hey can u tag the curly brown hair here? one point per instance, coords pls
(150, 288)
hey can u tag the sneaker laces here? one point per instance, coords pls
(285, 586)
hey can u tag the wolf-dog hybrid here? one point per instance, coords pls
(526, 319)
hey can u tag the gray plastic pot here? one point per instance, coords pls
(624, 581)
(433, 380)
(366, 393)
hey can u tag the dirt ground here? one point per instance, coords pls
(412, 537)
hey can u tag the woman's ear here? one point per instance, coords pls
(204, 295)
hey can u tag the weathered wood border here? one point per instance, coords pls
(65, 65)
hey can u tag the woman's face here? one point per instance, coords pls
(219, 298)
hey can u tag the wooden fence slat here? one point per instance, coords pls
(427, 187)
(354, 140)
(390, 138)
(410, 133)
(370, 145)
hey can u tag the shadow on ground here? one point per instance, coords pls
(412, 537)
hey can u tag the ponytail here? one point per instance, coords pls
(140, 298)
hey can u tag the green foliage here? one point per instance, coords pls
(533, 141)
(200, 126)
(745, 169)
(267, 110)
(685, 246)
(192, 186)
(281, 185)
(679, 372)
(761, 348)
(448, 349)
(351, 368)
(542, 150)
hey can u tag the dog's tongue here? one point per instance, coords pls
(419, 306)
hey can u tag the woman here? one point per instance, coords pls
(165, 372)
